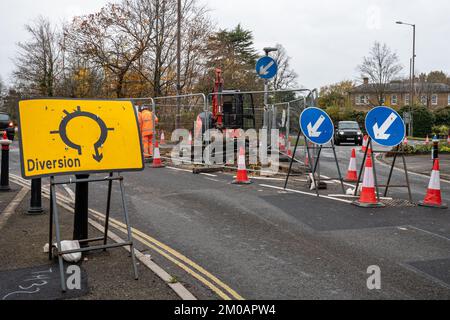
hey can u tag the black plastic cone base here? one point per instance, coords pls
(35, 211)
(427, 205)
(241, 182)
(5, 188)
(368, 205)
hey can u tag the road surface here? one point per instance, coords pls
(226, 241)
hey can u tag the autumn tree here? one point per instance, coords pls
(114, 38)
(335, 94)
(437, 77)
(380, 66)
(158, 64)
(37, 64)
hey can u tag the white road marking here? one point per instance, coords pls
(208, 175)
(305, 193)
(69, 192)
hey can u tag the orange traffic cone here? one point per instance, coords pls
(282, 143)
(242, 177)
(289, 151)
(427, 141)
(163, 138)
(157, 157)
(433, 198)
(365, 142)
(368, 199)
(352, 175)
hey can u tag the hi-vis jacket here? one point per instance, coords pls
(146, 122)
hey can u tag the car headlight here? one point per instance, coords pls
(359, 133)
(341, 133)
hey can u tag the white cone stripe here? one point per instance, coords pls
(369, 181)
(435, 182)
(157, 153)
(352, 165)
(241, 163)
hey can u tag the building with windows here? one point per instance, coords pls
(397, 95)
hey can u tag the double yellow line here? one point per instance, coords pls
(209, 280)
(183, 262)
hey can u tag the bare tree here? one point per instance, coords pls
(158, 67)
(37, 61)
(381, 66)
(286, 77)
(114, 38)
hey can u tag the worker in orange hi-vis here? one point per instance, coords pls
(147, 130)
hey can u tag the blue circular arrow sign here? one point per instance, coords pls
(316, 125)
(385, 126)
(266, 68)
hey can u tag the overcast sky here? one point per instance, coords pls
(325, 38)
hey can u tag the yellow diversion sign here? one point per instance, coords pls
(61, 137)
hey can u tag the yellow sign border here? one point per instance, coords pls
(22, 160)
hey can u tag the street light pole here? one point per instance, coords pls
(266, 89)
(413, 78)
(177, 124)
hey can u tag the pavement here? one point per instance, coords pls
(109, 275)
(224, 241)
(422, 164)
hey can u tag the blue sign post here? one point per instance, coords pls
(266, 68)
(385, 126)
(316, 125)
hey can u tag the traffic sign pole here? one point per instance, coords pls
(80, 227)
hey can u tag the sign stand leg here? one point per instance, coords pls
(362, 167)
(407, 178)
(108, 210)
(50, 237)
(375, 171)
(130, 236)
(341, 179)
(58, 235)
(292, 159)
(388, 184)
(316, 163)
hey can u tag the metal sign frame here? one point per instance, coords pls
(400, 151)
(54, 220)
(314, 166)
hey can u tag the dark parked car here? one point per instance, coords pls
(348, 132)
(7, 125)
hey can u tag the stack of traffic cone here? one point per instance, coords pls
(427, 141)
(242, 177)
(163, 138)
(368, 198)
(433, 198)
(157, 157)
(365, 142)
(352, 175)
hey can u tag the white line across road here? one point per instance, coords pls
(304, 193)
(409, 172)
